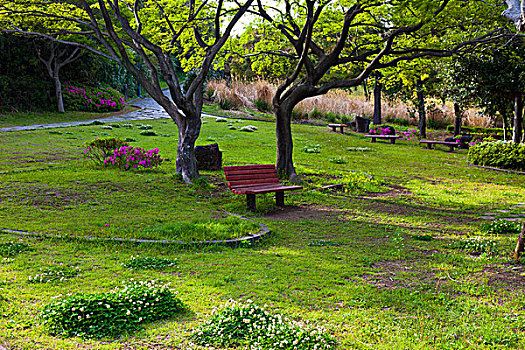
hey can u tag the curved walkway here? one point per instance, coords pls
(149, 109)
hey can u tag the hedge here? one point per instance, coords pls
(499, 154)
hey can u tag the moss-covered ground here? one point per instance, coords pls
(373, 262)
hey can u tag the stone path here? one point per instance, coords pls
(149, 109)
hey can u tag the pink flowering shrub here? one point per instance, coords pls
(382, 130)
(412, 134)
(114, 152)
(101, 148)
(128, 157)
(90, 99)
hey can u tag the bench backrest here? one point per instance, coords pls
(243, 176)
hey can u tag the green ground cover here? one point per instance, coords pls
(383, 263)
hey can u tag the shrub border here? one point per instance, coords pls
(498, 169)
(234, 242)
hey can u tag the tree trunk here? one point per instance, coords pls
(186, 164)
(457, 120)
(58, 93)
(518, 119)
(421, 108)
(285, 167)
(365, 91)
(377, 103)
(505, 118)
(520, 245)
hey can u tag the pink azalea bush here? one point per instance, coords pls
(382, 130)
(412, 134)
(92, 99)
(114, 152)
(128, 157)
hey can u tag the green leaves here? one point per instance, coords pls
(500, 154)
(113, 313)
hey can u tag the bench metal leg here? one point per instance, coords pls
(429, 145)
(279, 199)
(373, 140)
(250, 201)
(392, 141)
(341, 128)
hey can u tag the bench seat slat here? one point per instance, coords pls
(262, 189)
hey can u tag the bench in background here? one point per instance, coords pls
(392, 138)
(450, 145)
(340, 126)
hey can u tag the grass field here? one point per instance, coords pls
(376, 263)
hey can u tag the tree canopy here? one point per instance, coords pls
(334, 44)
(151, 32)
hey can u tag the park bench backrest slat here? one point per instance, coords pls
(251, 175)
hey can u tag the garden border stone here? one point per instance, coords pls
(498, 169)
(234, 242)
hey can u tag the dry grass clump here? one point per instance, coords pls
(237, 94)
(341, 104)
(472, 118)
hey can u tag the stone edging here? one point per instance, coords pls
(257, 236)
(498, 169)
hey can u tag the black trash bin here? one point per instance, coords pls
(362, 124)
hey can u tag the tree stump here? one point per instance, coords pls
(208, 157)
(362, 124)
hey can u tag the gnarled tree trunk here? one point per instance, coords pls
(422, 125)
(377, 103)
(283, 127)
(189, 130)
(458, 119)
(58, 93)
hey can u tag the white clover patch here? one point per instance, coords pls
(249, 324)
(113, 313)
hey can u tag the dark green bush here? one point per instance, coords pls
(298, 115)
(499, 227)
(263, 106)
(113, 313)
(500, 154)
(315, 114)
(88, 99)
(478, 130)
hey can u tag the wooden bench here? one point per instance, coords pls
(392, 138)
(340, 126)
(450, 145)
(256, 179)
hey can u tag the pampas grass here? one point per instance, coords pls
(341, 103)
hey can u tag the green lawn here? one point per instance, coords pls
(377, 269)
(33, 118)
